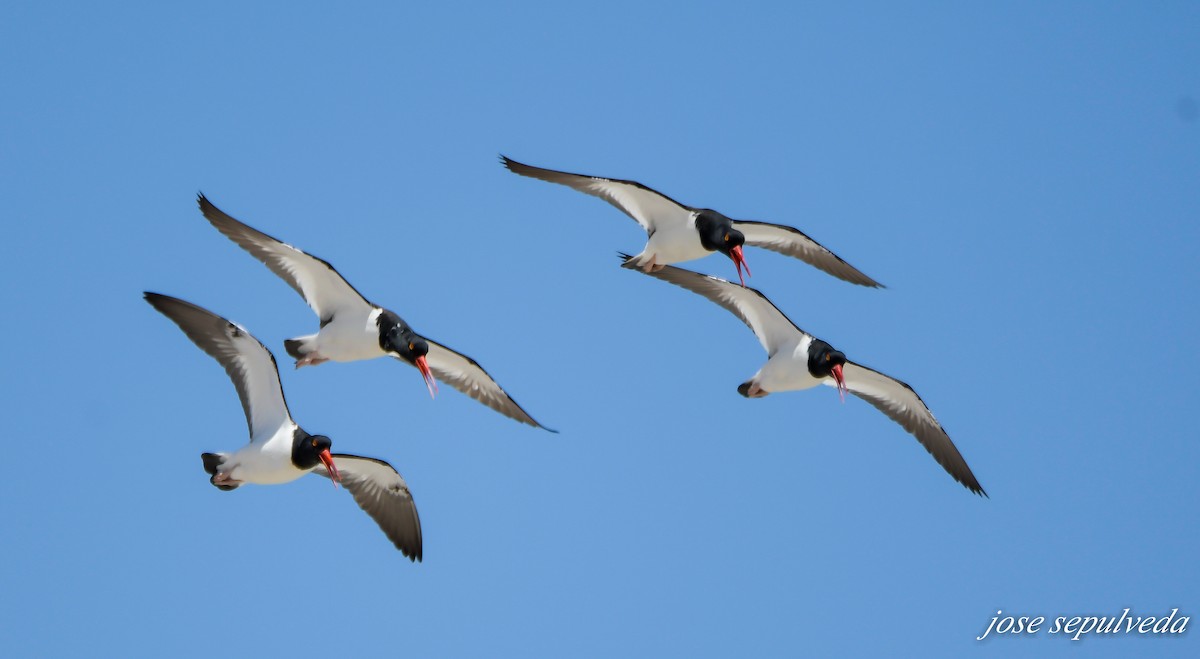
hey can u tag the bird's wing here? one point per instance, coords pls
(793, 242)
(466, 375)
(773, 329)
(898, 400)
(648, 207)
(380, 491)
(249, 364)
(314, 279)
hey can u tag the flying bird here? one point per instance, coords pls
(280, 451)
(682, 233)
(353, 328)
(798, 360)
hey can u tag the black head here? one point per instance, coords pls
(405, 344)
(398, 339)
(310, 450)
(718, 235)
(822, 358)
(824, 362)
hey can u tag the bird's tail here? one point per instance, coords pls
(212, 463)
(295, 348)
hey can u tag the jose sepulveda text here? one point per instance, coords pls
(1077, 627)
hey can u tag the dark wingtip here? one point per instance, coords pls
(155, 300)
(521, 169)
(625, 259)
(416, 553)
(858, 278)
(971, 484)
(529, 420)
(208, 209)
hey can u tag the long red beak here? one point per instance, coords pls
(327, 459)
(430, 383)
(841, 381)
(740, 262)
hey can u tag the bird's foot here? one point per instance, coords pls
(651, 265)
(311, 359)
(223, 482)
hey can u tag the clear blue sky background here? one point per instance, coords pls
(1025, 179)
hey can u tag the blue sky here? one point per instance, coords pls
(1024, 179)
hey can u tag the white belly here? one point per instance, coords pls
(350, 337)
(265, 463)
(674, 244)
(787, 371)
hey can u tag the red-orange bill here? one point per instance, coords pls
(740, 261)
(327, 460)
(841, 381)
(430, 383)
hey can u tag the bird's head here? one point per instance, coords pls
(399, 340)
(826, 362)
(308, 450)
(718, 235)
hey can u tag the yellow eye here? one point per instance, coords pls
(314, 442)
(411, 347)
(726, 237)
(828, 356)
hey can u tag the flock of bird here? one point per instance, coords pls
(353, 328)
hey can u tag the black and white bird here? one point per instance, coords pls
(353, 328)
(280, 451)
(798, 360)
(681, 233)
